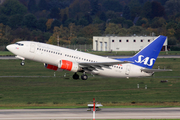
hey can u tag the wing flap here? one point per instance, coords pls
(100, 65)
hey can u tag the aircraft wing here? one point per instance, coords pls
(98, 65)
(155, 70)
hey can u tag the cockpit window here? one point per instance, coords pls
(19, 44)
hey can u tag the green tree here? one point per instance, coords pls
(118, 20)
(88, 17)
(83, 22)
(111, 15)
(103, 16)
(3, 19)
(32, 7)
(136, 30)
(113, 29)
(79, 7)
(4, 33)
(29, 21)
(90, 31)
(81, 41)
(157, 9)
(147, 10)
(15, 21)
(54, 13)
(158, 22)
(172, 7)
(135, 8)
(112, 5)
(41, 24)
(68, 21)
(126, 13)
(55, 23)
(65, 17)
(21, 33)
(127, 24)
(12, 7)
(43, 5)
(95, 7)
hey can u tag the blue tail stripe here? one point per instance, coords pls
(147, 56)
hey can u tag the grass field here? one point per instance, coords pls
(43, 90)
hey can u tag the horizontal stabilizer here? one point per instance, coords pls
(155, 70)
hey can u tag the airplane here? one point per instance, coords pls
(58, 58)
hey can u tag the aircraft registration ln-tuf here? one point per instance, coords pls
(59, 58)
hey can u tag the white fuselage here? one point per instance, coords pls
(51, 54)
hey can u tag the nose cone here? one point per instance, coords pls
(9, 47)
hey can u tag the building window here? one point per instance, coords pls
(134, 40)
(119, 40)
(127, 40)
(112, 40)
(141, 40)
(148, 40)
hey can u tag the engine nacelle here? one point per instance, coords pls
(68, 65)
(51, 67)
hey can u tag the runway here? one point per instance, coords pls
(105, 113)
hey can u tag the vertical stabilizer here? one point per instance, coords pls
(147, 56)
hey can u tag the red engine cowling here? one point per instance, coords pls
(51, 67)
(68, 65)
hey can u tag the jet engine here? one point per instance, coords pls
(51, 67)
(69, 65)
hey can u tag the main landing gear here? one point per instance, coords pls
(75, 76)
(83, 77)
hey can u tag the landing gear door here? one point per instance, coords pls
(128, 68)
(32, 47)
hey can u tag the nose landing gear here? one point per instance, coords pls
(22, 63)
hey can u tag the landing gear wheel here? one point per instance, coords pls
(75, 76)
(84, 77)
(22, 63)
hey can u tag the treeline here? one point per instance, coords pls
(77, 21)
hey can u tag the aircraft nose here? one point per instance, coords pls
(9, 47)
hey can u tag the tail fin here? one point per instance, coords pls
(147, 56)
